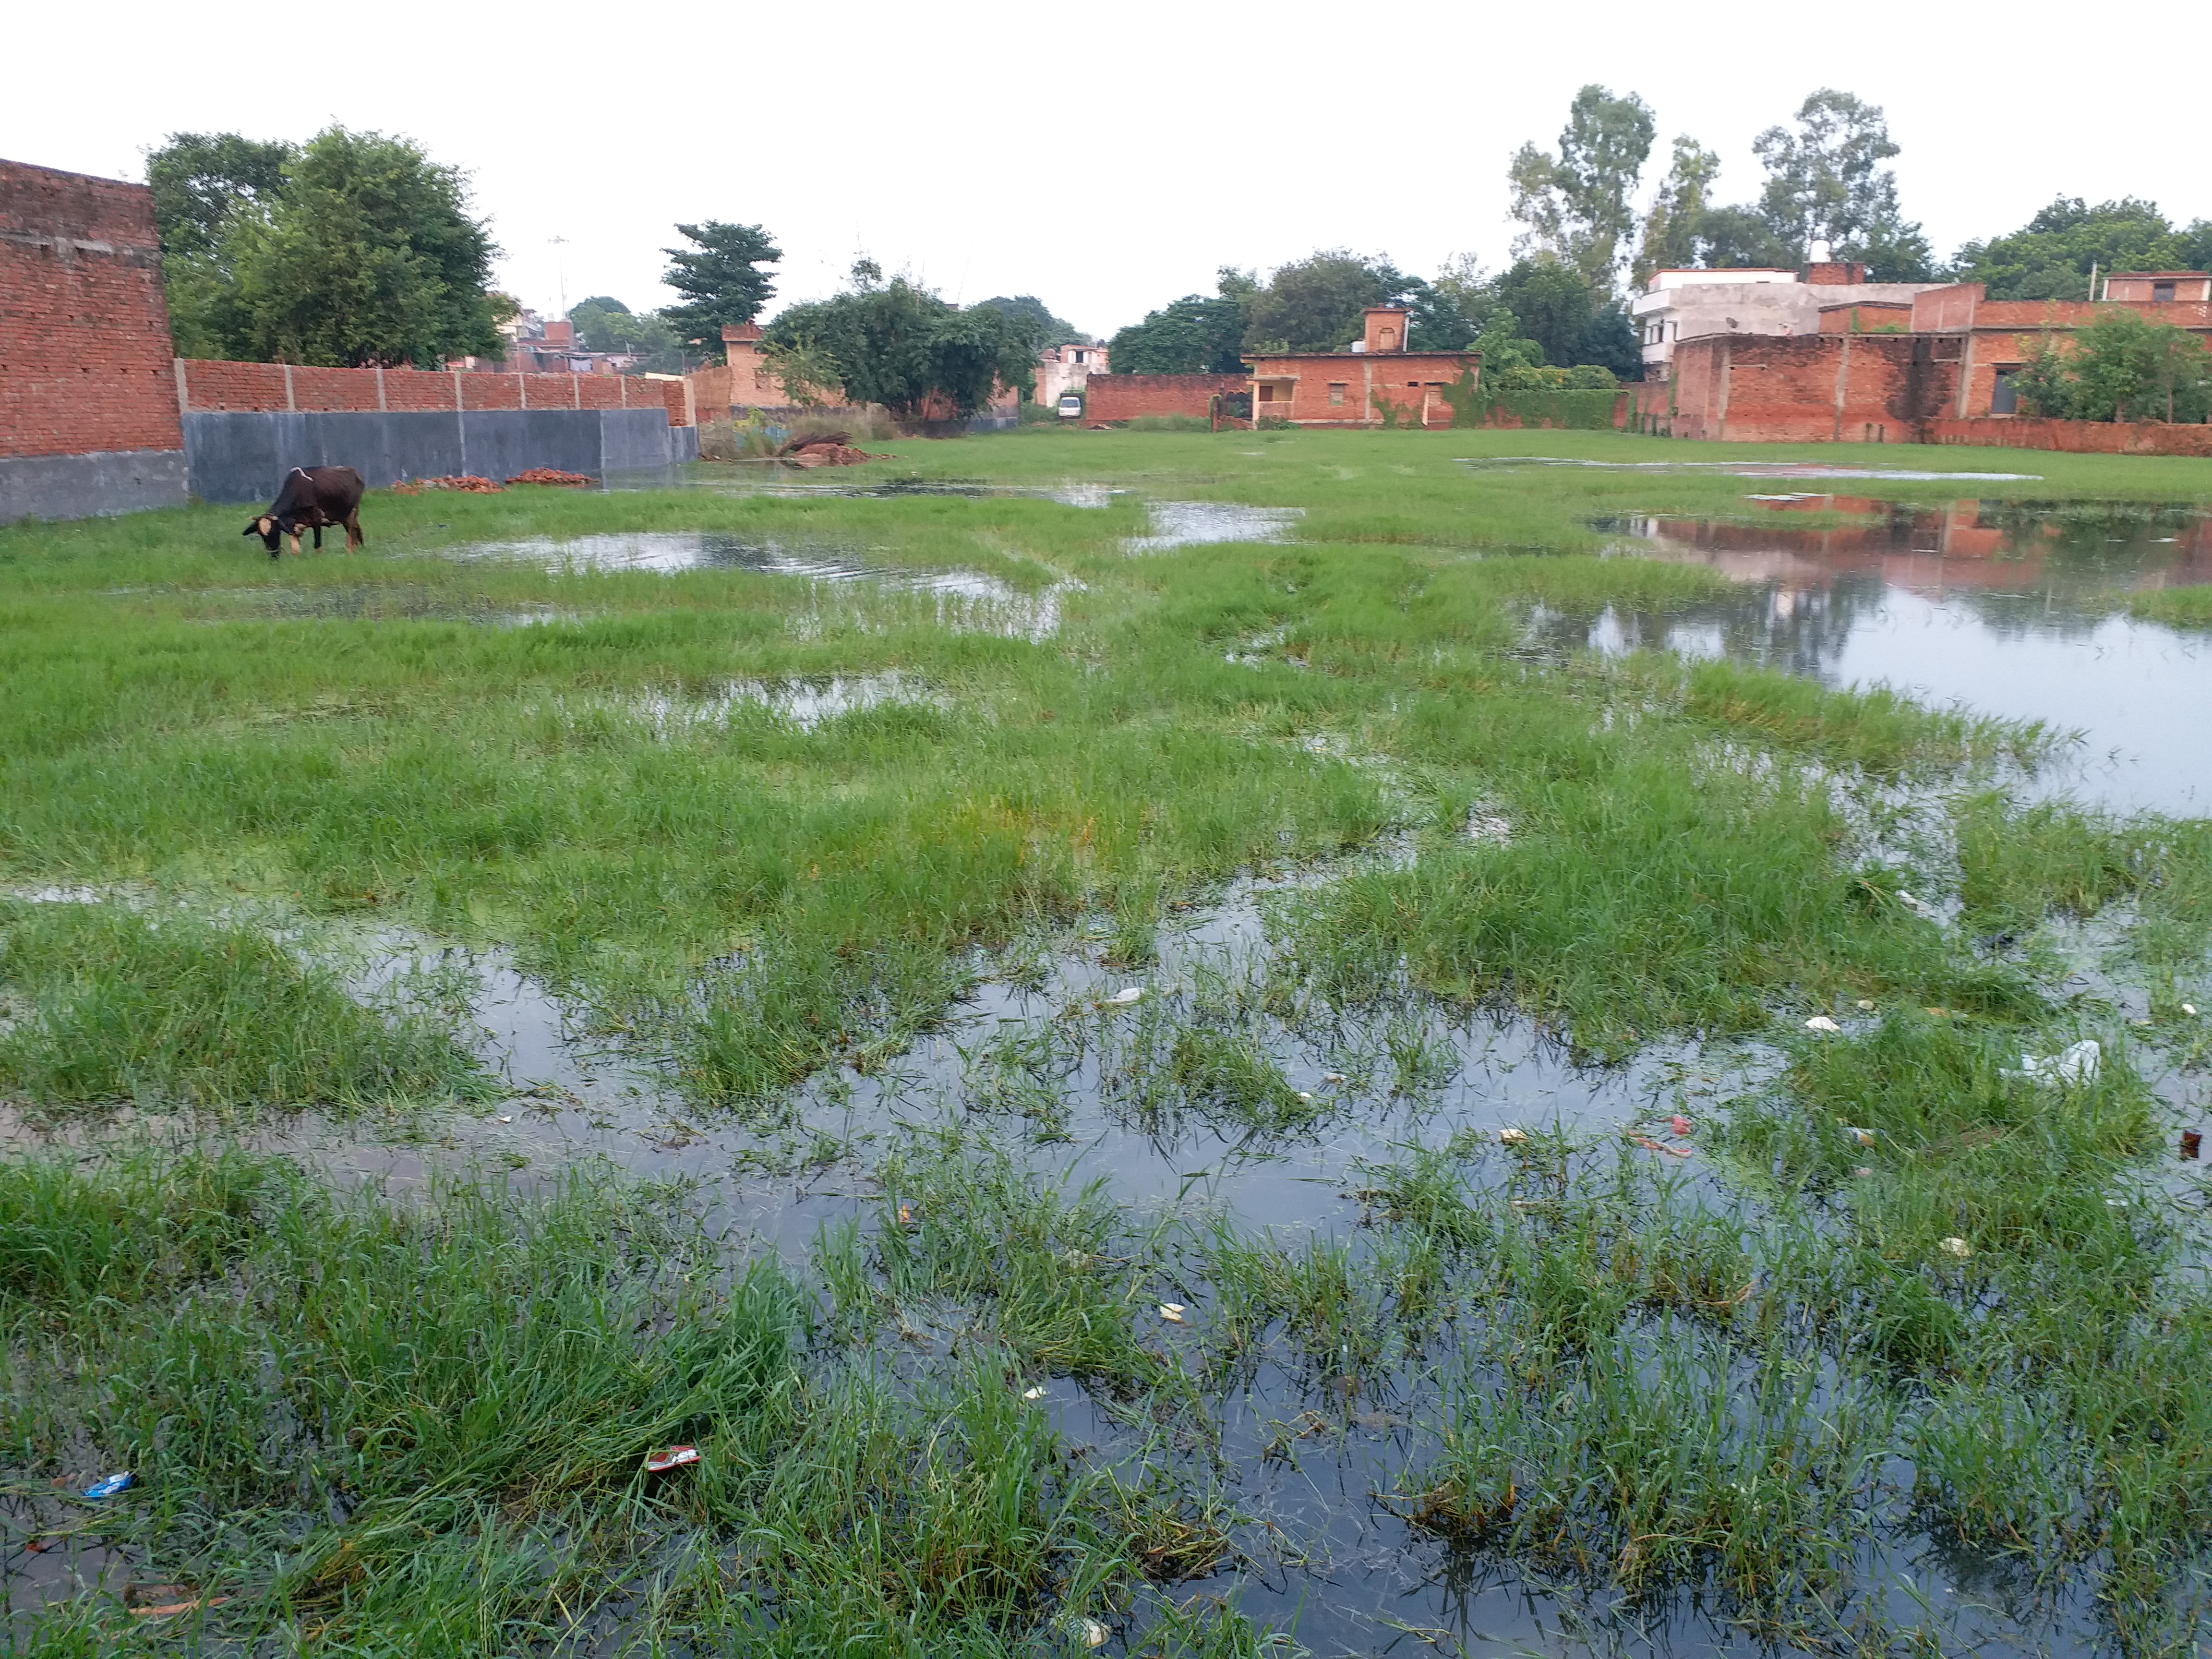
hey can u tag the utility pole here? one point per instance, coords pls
(560, 269)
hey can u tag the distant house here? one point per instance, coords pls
(1682, 305)
(1376, 383)
(1062, 368)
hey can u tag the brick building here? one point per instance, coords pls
(1878, 372)
(1111, 398)
(1377, 382)
(1682, 305)
(1063, 369)
(88, 416)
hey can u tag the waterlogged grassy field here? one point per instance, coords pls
(1885, 1348)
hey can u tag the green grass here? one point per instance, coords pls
(113, 1005)
(379, 1425)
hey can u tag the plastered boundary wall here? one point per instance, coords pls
(88, 404)
(243, 455)
(246, 425)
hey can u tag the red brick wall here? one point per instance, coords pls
(1858, 388)
(84, 330)
(1411, 383)
(2082, 437)
(222, 385)
(1126, 397)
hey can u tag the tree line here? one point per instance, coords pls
(1584, 249)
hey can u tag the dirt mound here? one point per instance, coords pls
(829, 450)
(554, 475)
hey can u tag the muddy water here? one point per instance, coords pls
(2008, 608)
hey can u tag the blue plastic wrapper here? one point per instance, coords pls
(109, 1487)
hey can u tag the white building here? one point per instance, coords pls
(1065, 368)
(1681, 305)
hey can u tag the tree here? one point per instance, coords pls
(720, 278)
(2051, 256)
(898, 344)
(1670, 240)
(1576, 204)
(1195, 335)
(2122, 366)
(367, 254)
(1314, 304)
(1044, 329)
(605, 324)
(1548, 301)
(1825, 182)
(198, 179)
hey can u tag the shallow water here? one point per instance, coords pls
(2004, 608)
(967, 600)
(1191, 523)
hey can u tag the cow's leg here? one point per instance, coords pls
(353, 538)
(294, 533)
(318, 538)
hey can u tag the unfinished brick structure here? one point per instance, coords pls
(205, 386)
(89, 417)
(1378, 383)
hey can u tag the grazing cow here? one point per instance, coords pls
(312, 498)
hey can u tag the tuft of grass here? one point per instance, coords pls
(118, 1005)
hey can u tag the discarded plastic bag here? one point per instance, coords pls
(1958, 1247)
(2076, 1063)
(1859, 1137)
(1126, 995)
(1822, 1022)
(2192, 1144)
(1173, 1312)
(673, 1457)
(1094, 1633)
(120, 1482)
(1512, 1137)
(1679, 1124)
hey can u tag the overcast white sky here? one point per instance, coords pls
(1105, 157)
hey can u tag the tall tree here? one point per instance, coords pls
(367, 254)
(1576, 204)
(2052, 257)
(720, 278)
(1198, 334)
(1314, 304)
(898, 344)
(1825, 182)
(199, 178)
(1044, 329)
(1670, 240)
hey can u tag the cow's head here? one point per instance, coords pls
(267, 528)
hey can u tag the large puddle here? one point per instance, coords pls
(1744, 469)
(966, 600)
(2006, 608)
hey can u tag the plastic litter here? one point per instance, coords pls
(1679, 1124)
(2076, 1063)
(672, 1457)
(1335, 1076)
(1958, 1247)
(2192, 1144)
(1037, 1393)
(1172, 1312)
(1822, 1022)
(120, 1482)
(1651, 1146)
(1866, 1004)
(1859, 1137)
(507, 1120)
(1919, 907)
(1305, 1094)
(2189, 1009)
(1862, 1172)
(1512, 1137)
(1126, 995)
(1094, 1633)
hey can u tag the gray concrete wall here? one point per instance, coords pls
(242, 457)
(89, 486)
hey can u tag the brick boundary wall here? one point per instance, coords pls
(207, 386)
(1110, 398)
(87, 401)
(2075, 437)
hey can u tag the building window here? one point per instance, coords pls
(2004, 395)
(1267, 394)
(2163, 291)
(1336, 391)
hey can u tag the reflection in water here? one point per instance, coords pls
(1741, 469)
(2003, 607)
